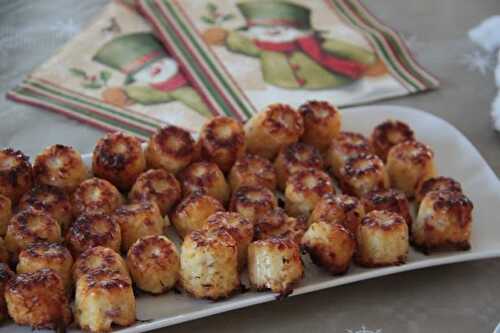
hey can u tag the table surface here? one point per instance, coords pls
(455, 298)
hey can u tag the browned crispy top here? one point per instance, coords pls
(362, 165)
(66, 155)
(252, 195)
(45, 278)
(195, 198)
(155, 248)
(93, 229)
(413, 151)
(382, 219)
(45, 197)
(30, 222)
(136, 208)
(282, 118)
(219, 237)
(345, 203)
(54, 251)
(256, 165)
(18, 166)
(175, 141)
(317, 110)
(311, 181)
(438, 184)
(390, 197)
(101, 278)
(108, 259)
(279, 243)
(95, 194)
(277, 224)
(222, 133)
(107, 154)
(351, 143)
(156, 182)
(302, 154)
(232, 222)
(200, 175)
(454, 202)
(392, 132)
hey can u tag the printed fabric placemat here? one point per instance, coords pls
(244, 55)
(181, 62)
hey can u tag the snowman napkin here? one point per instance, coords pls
(146, 63)
(246, 54)
(116, 75)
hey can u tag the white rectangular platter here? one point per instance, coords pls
(455, 156)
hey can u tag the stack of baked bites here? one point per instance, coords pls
(241, 197)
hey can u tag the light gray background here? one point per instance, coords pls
(455, 298)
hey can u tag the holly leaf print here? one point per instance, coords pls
(227, 17)
(78, 72)
(92, 85)
(105, 76)
(208, 20)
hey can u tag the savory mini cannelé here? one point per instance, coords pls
(51, 200)
(252, 170)
(408, 164)
(209, 265)
(252, 202)
(362, 174)
(343, 147)
(96, 195)
(238, 227)
(388, 134)
(330, 245)
(38, 299)
(118, 158)
(170, 148)
(154, 264)
(391, 200)
(192, 213)
(60, 166)
(30, 226)
(304, 189)
(138, 220)
(274, 264)
(296, 157)
(277, 224)
(269, 131)
(47, 255)
(90, 230)
(322, 122)
(16, 174)
(444, 221)
(340, 208)
(222, 141)
(436, 184)
(159, 186)
(205, 177)
(103, 298)
(383, 239)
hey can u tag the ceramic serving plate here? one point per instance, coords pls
(455, 156)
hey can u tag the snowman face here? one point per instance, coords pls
(276, 34)
(158, 71)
